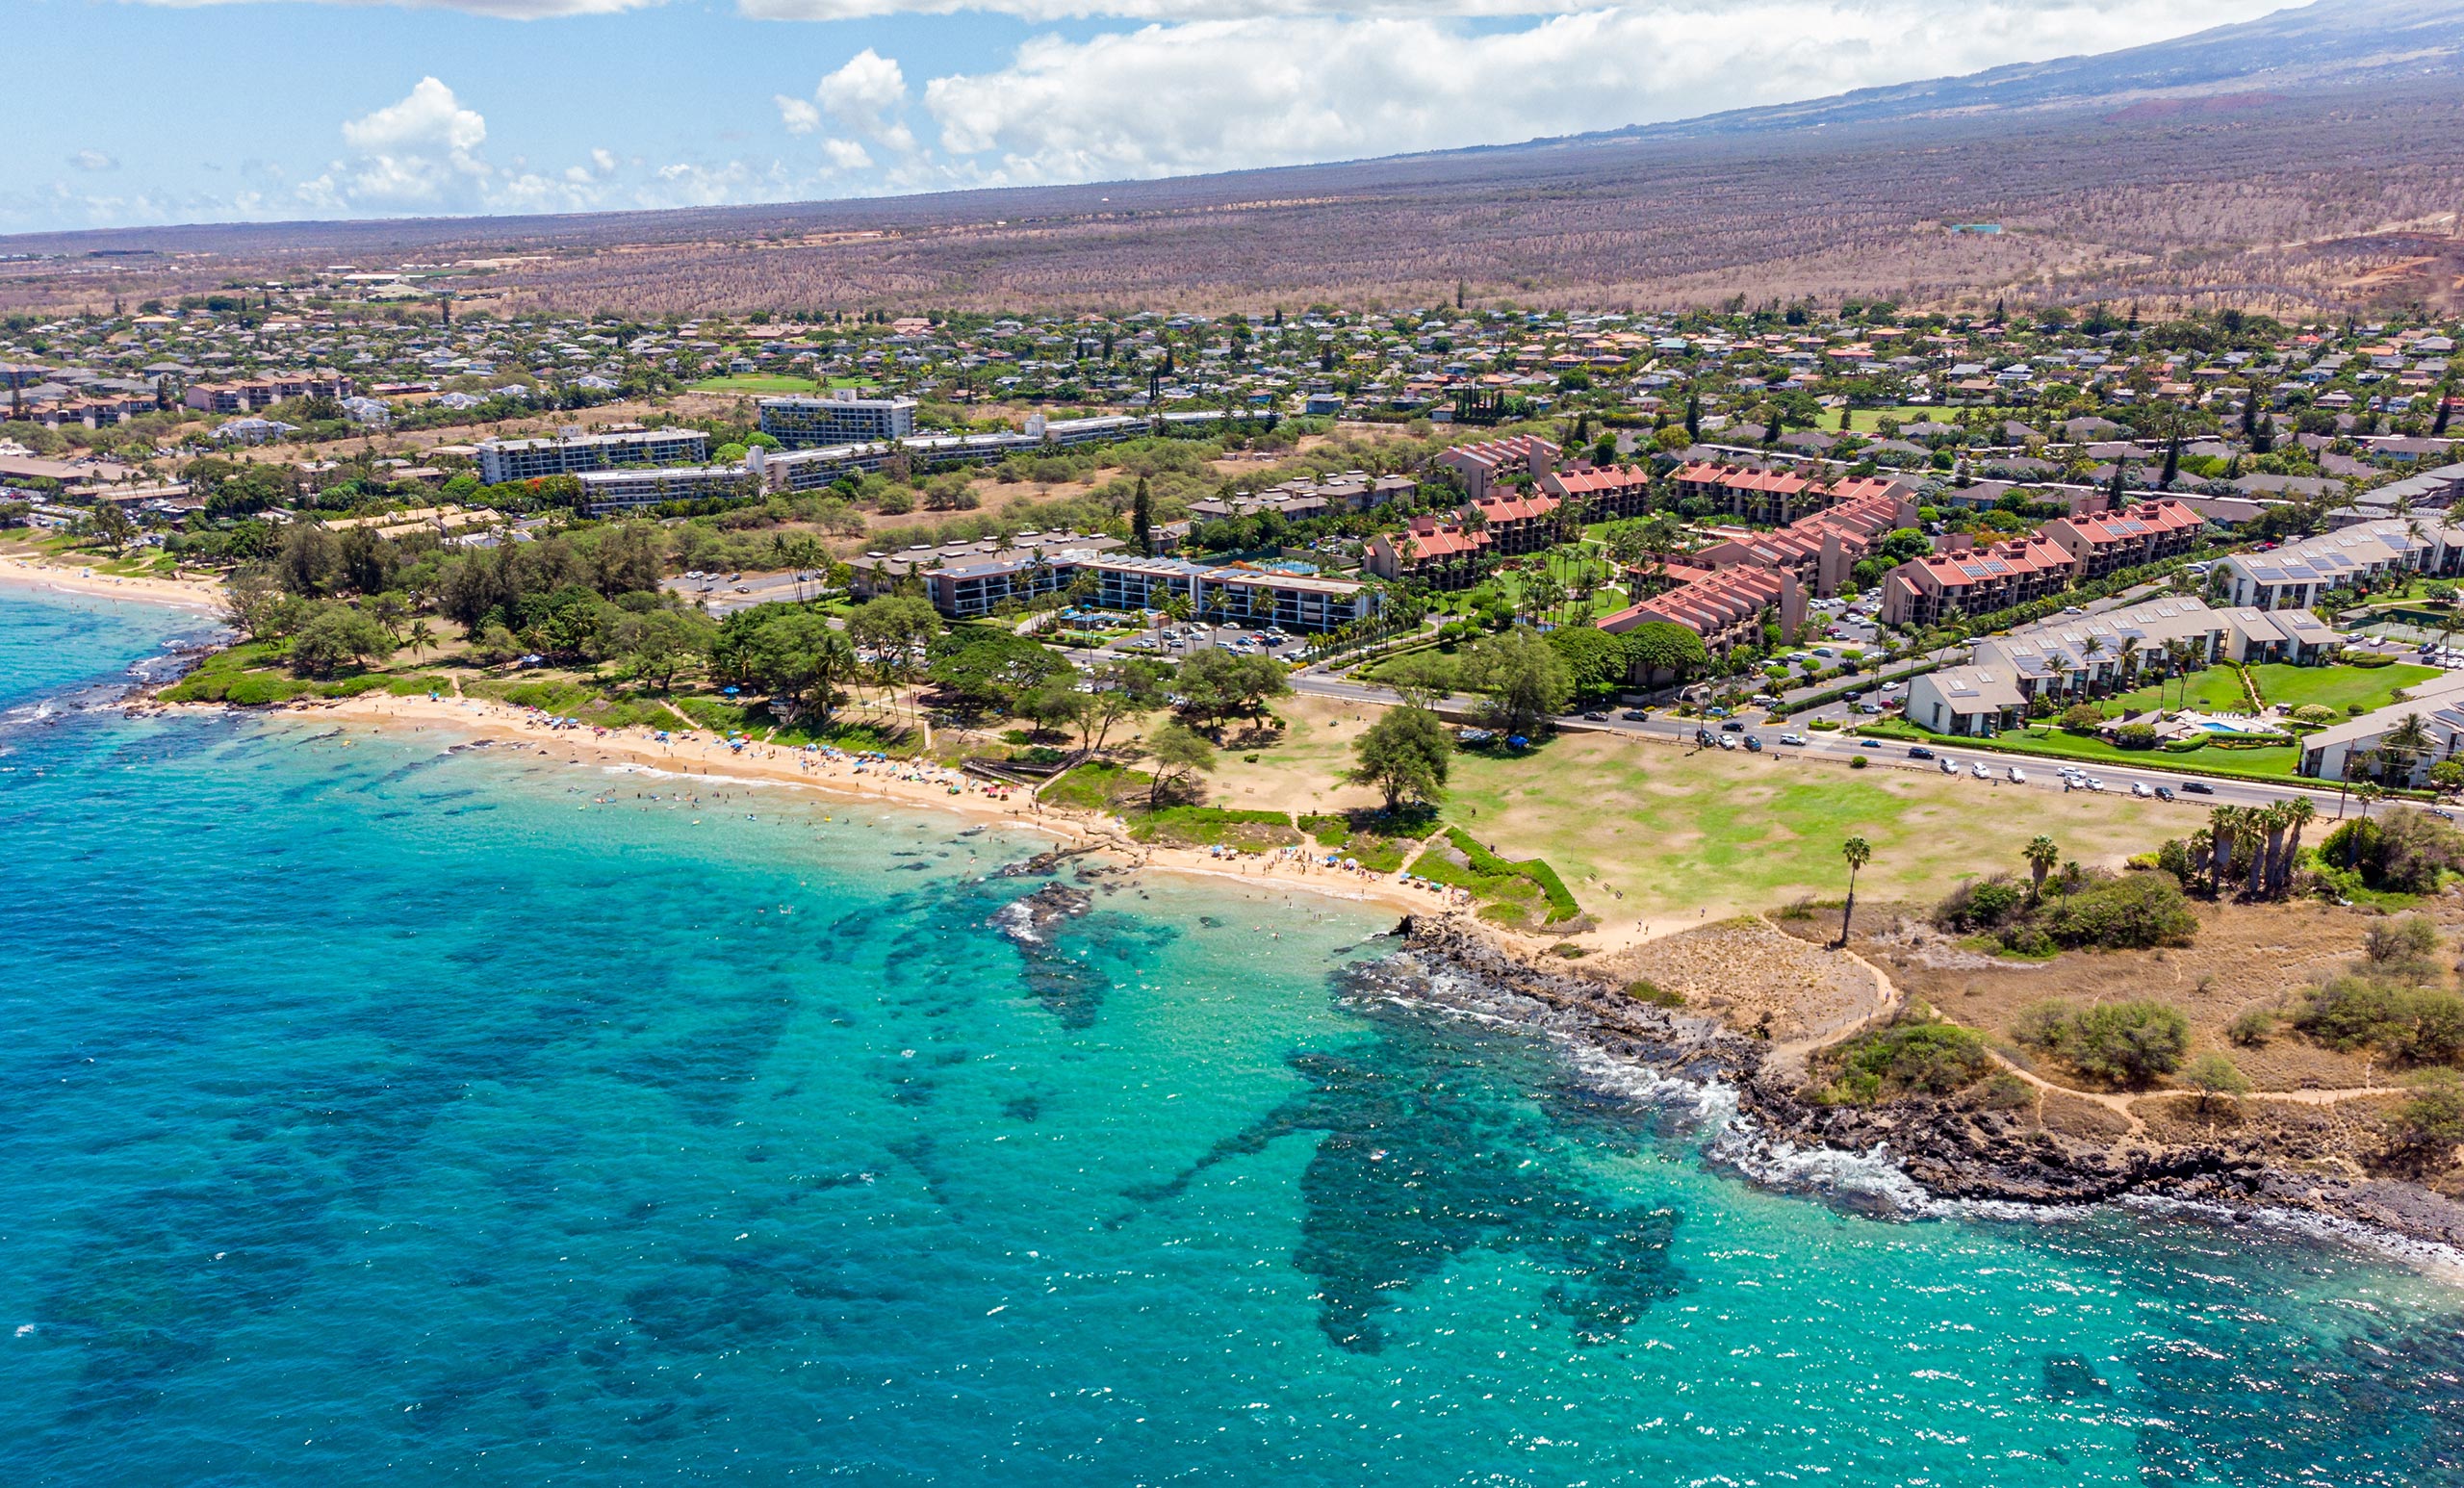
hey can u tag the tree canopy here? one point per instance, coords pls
(1406, 754)
(1520, 677)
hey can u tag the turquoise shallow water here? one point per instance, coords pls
(371, 1110)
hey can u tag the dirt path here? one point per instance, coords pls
(1796, 1054)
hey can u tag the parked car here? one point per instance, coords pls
(2141, 790)
(2164, 792)
(2019, 777)
(2094, 783)
(1703, 738)
(1950, 766)
(1981, 772)
(1753, 744)
(1728, 741)
(1919, 751)
(2197, 788)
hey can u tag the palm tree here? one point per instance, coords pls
(2087, 658)
(2298, 812)
(2408, 741)
(2225, 825)
(2042, 854)
(419, 637)
(1859, 852)
(2366, 792)
(2262, 835)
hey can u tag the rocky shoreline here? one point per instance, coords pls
(1952, 1148)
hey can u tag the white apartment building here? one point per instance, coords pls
(531, 459)
(840, 418)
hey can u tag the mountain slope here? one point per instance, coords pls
(2330, 44)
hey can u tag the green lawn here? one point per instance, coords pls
(1868, 420)
(759, 383)
(2338, 687)
(2215, 689)
(2218, 689)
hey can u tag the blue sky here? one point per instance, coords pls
(130, 113)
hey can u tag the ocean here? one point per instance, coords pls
(387, 1108)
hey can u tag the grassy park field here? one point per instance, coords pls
(766, 382)
(1641, 829)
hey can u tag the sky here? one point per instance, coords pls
(146, 112)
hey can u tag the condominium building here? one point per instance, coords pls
(1295, 601)
(1941, 586)
(2074, 656)
(1518, 525)
(633, 488)
(840, 418)
(2150, 532)
(1439, 555)
(532, 460)
(1485, 464)
(2299, 576)
(1774, 497)
(1608, 492)
(1822, 548)
(1724, 608)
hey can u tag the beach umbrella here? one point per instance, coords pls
(730, 691)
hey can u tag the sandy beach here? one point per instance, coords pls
(896, 783)
(202, 595)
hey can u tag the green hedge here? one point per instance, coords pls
(1535, 871)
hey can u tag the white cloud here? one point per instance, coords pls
(93, 160)
(422, 154)
(422, 151)
(1228, 94)
(864, 95)
(800, 117)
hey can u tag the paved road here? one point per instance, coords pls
(1887, 753)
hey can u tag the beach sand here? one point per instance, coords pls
(898, 783)
(202, 595)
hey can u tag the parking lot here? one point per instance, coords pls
(1180, 640)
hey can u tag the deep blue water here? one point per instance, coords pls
(372, 1110)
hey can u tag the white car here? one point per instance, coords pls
(2019, 777)
(1950, 766)
(1792, 738)
(2141, 788)
(1981, 772)
(2095, 783)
